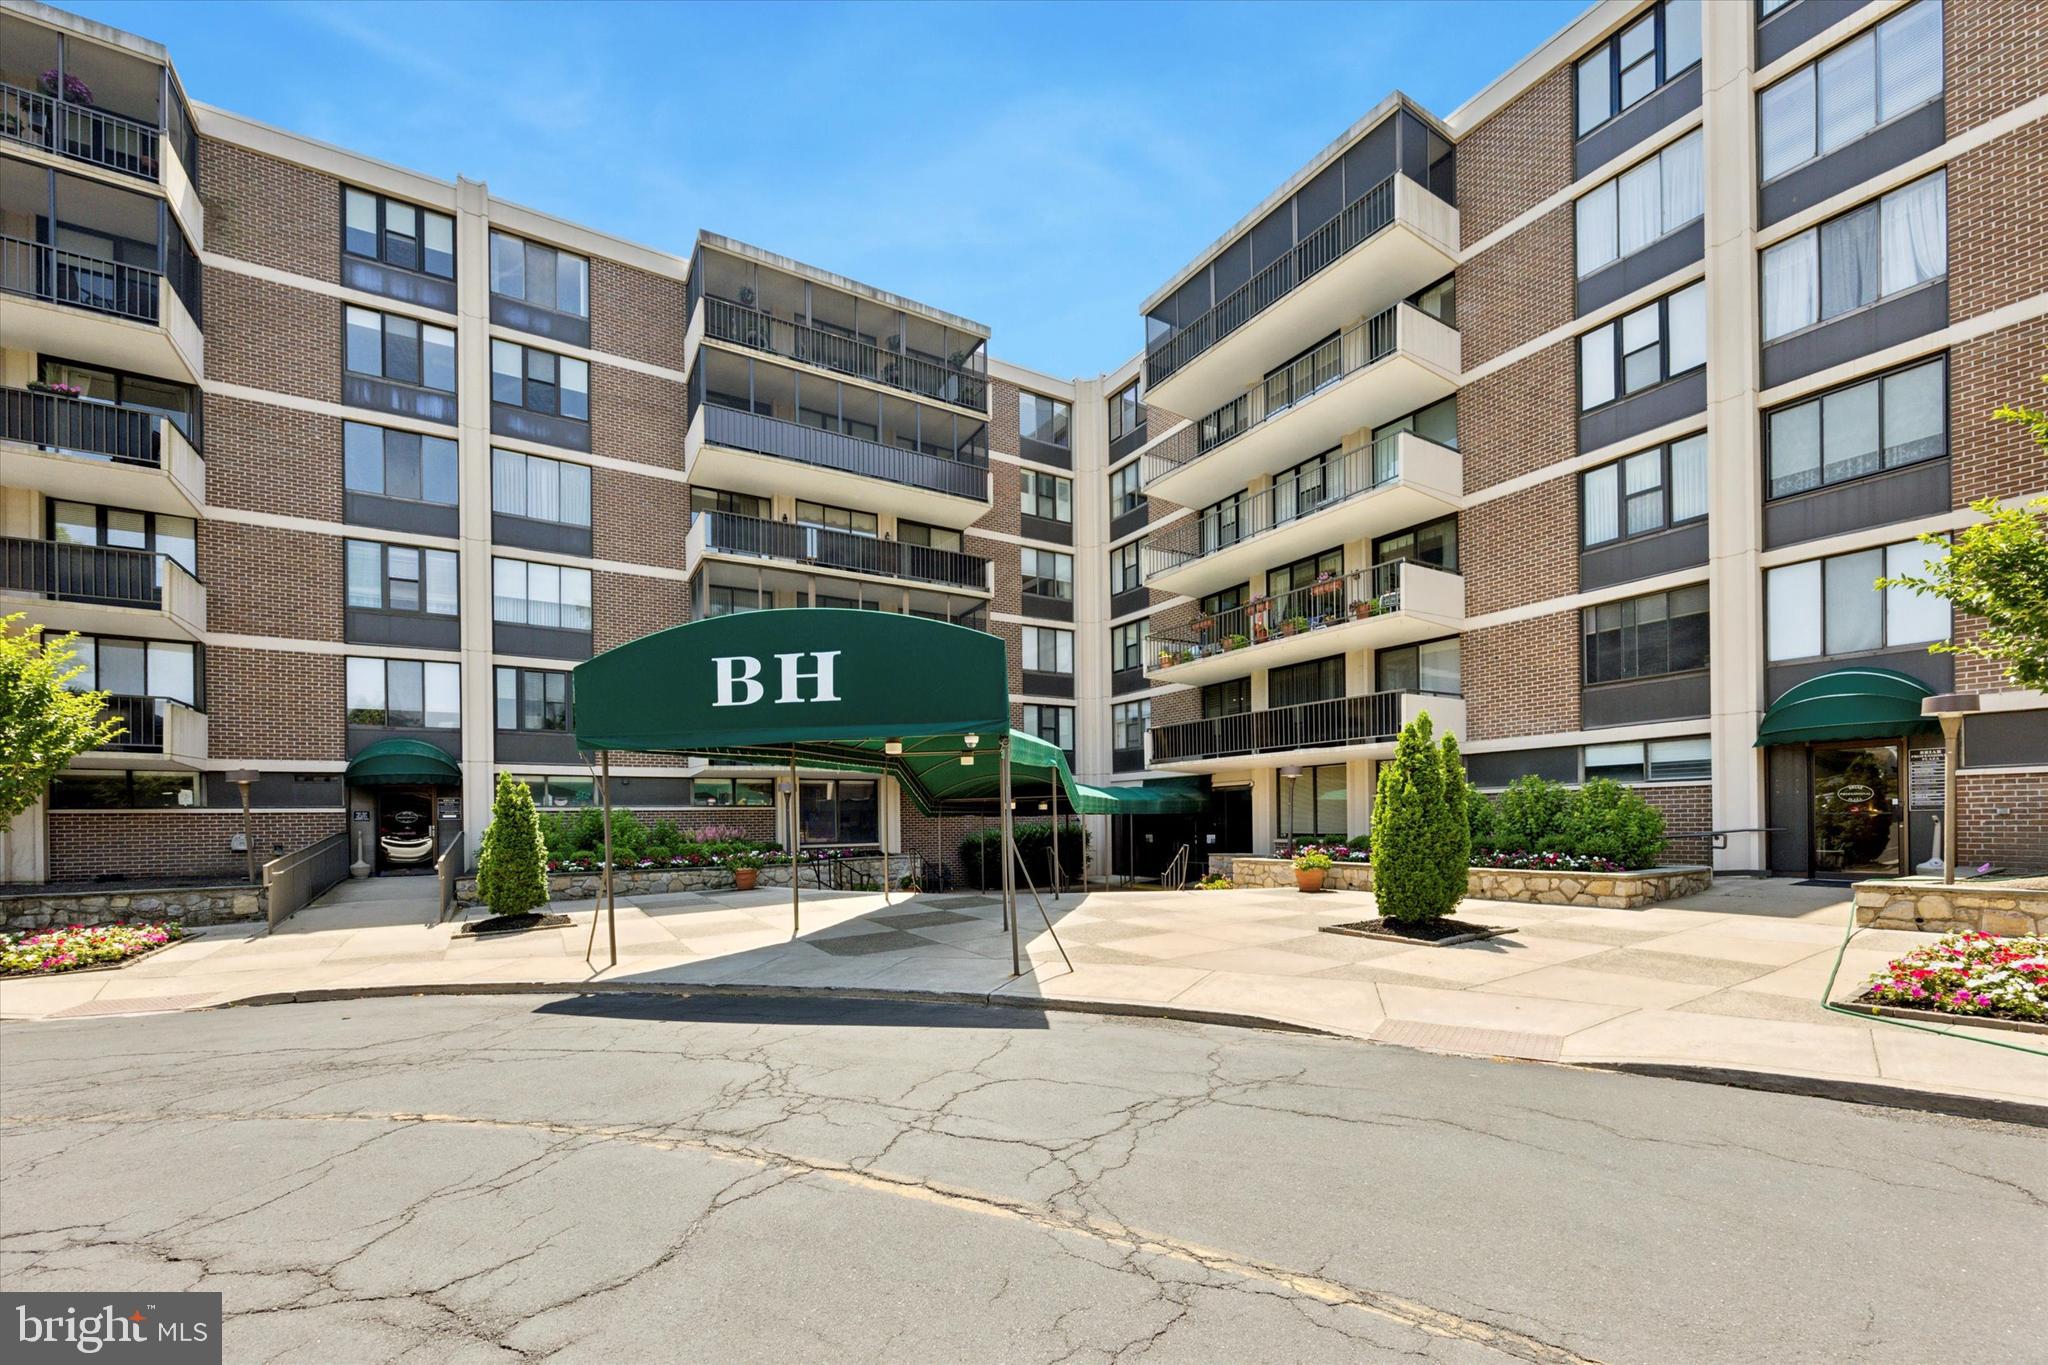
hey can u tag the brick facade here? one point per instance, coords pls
(1687, 807)
(275, 705)
(635, 519)
(1993, 52)
(638, 417)
(242, 603)
(1509, 163)
(272, 336)
(637, 314)
(149, 844)
(627, 606)
(269, 212)
(263, 457)
(1520, 548)
(1997, 198)
(1522, 678)
(1518, 289)
(2002, 818)
(1519, 418)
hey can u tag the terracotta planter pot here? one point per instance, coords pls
(745, 877)
(1309, 880)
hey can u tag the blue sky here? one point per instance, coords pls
(1039, 168)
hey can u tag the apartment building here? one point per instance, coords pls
(1516, 416)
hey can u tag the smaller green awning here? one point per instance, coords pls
(1849, 703)
(1157, 796)
(403, 763)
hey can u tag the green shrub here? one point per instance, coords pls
(1604, 819)
(1312, 860)
(1454, 828)
(1479, 819)
(1361, 842)
(1530, 814)
(981, 853)
(511, 868)
(1409, 830)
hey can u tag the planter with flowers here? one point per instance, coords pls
(80, 948)
(746, 870)
(2002, 982)
(1310, 866)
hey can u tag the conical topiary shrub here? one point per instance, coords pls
(511, 868)
(1408, 829)
(1454, 856)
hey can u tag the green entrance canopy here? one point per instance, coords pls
(1849, 703)
(403, 763)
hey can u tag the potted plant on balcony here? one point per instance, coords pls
(76, 91)
(1294, 625)
(746, 870)
(1310, 865)
(1181, 656)
(1235, 642)
(1205, 625)
(1325, 585)
(1364, 607)
(1165, 658)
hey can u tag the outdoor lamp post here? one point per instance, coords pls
(242, 777)
(1949, 708)
(1291, 774)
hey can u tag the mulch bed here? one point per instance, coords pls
(1864, 1003)
(514, 924)
(1442, 933)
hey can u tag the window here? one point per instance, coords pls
(560, 792)
(533, 699)
(1126, 491)
(1645, 492)
(1126, 413)
(1045, 420)
(1300, 684)
(1660, 760)
(1434, 543)
(1664, 43)
(123, 790)
(1439, 300)
(397, 233)
(1231, 698)
(1128, 721)
(404, 694)
(1647, 637)
(1047, 650)
(933, 537)
(401, 578)
(1124, 573)
(401, 350)
(1313, 803)
(1640, 350)
(134, 668)
(824, 518)
(540, 594)
(540, 489)
(1870, 253)
(1642, 204)
(1047, 573)
(1438, 422)
(1299, 575)
(720, 600)
(1881, 73)
(1431, 667)
(101, 384)
(1047, 496)
(733, 504)
(1053, 724)
(117, 528)
(1228, 599)
(398, 464)
(1221, 523)
(1883, 423)
(540, 381)
(839, 813)
(1128, 644)
(722, 792)
(1826, 607)
(540, 275)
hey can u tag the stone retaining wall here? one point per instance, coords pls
(1249, 871)
(1606, 890)
(22, 912)
(1931, 907)
(583, 886)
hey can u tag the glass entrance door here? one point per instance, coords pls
(405, 829)
(1858, 823)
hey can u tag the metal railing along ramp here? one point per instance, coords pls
(296, 879)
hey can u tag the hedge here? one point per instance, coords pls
(981, 854)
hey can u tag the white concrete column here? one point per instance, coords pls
(473, 413)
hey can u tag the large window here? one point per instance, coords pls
(1434, 543)
(1646, 637)
(404, 694)
(1126, 490)
(840, 813)
(1887, 70)
(1232, 697)
(1302, 573)
(1642, 349)
(397, 233)
(1053, 724)
(1645, 492)
(1046, 496)
(1128, 721)
(1895, 419)
(1870, 253)
(1312, 805)
(733, 504)
(1642, 204)
(540, 594)
(1047, 650)
(824, 517)
(118, 528)
(1047, 573)
(540, 489)
(1831, 606)
(402, 578)
(1659, 760)
(540, 381)
(721, 792)
(540, 275)
(104, 790)
(1438, 422)
(401, 350)
(1126, 413)
(398, 464)
(1664, 43)
(1221, 523)
(534, 699)
(932, 537)
(1299, 684)
(555, 792)
(1429, 667)
(1045, 420)
(102, 384)
(1127, 645)
(135, 668)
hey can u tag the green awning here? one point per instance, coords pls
(403, 763)
(1155, 796)
(1849, 703)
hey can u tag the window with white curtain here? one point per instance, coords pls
(405, 578)
(1644, 347)
(133, 668)
(1875, 424)
(1826, 607)
(1641, 205)
(540, 594)
(1890, 69)
(1870, 253)
(1645, 492)
(540, 489)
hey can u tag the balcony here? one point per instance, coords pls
(1389, 604)
(152, 727)
(1394, 239)
(103, 590)
(891, 366)
(100, 452)
(1394, 362)
(727, 535)
(1313, 732)
(1370, 490)
(749, 452)
(67, 303)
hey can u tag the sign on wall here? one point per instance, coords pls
(1925, 777)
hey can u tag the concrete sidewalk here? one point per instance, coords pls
(1730, 979)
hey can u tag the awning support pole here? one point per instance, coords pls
(611, 904)
(1055, 836)
(1009, 866)
(796, 848)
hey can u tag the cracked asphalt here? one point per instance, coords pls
(628, 1178)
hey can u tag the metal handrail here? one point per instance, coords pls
(1354, 471)
(1369, 719)
(142, 723)
(84, 573)
(57, 421)
(296, 879)
(743, 326)
(448, 867)
(1363, 217)
(79, 131)
(1327, 602)
(1348, 352)
(732, 533)
(1174, 877)
(964, 475)
(58, 276)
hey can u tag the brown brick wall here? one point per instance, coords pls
(1974, 672)
(637, 314)
(635, 416)
(1687, 806)
(939, 841)
(1997, 222)
(638, 520)
(1991, 458)
(2002, 818)
(274, 704)
(1171, 708)
(269, 212)
(1002, 416)
(1004, 482)
(271, 336)
(627, 606)
(1520, 548)
(1522, 678)
(245, 568)
(1521, 154)
(1519, 418)
(1994, 52)
(176, 843)
(265, 458)
(1518, 290)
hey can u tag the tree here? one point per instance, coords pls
(44, 724)
(511, 868)
(1454, 825)
(1409, 816)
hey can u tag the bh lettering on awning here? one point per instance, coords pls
(739, 679)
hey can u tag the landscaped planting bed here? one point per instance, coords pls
(77, 947)
(1969, 975)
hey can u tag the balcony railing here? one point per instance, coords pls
(142, 724)
(731, 533)
(59, 422)
(1362, 218)
(79, 131)
(100, 574)
(47, 272)
(1355, 596)
(1356, 471)
(927, 378)
(965, 477)
(1344, 354)
(1371, 719)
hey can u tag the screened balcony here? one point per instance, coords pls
(86, 102)
(728, 535)
(1314, 732)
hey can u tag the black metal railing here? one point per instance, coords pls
(59, 276)
(924, 376)
(79, 131)
(1362, 218)
(731, 533)
(295, 880)
(98, 574)
(1332, 601)
(966, 476)
(1369, 719)
(1346, 353)
(142, 724)
(60, 422)
(1288, 499)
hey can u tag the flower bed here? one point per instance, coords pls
(78, 946)
(1542, 862)
(1969, 974)
(767, 856)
